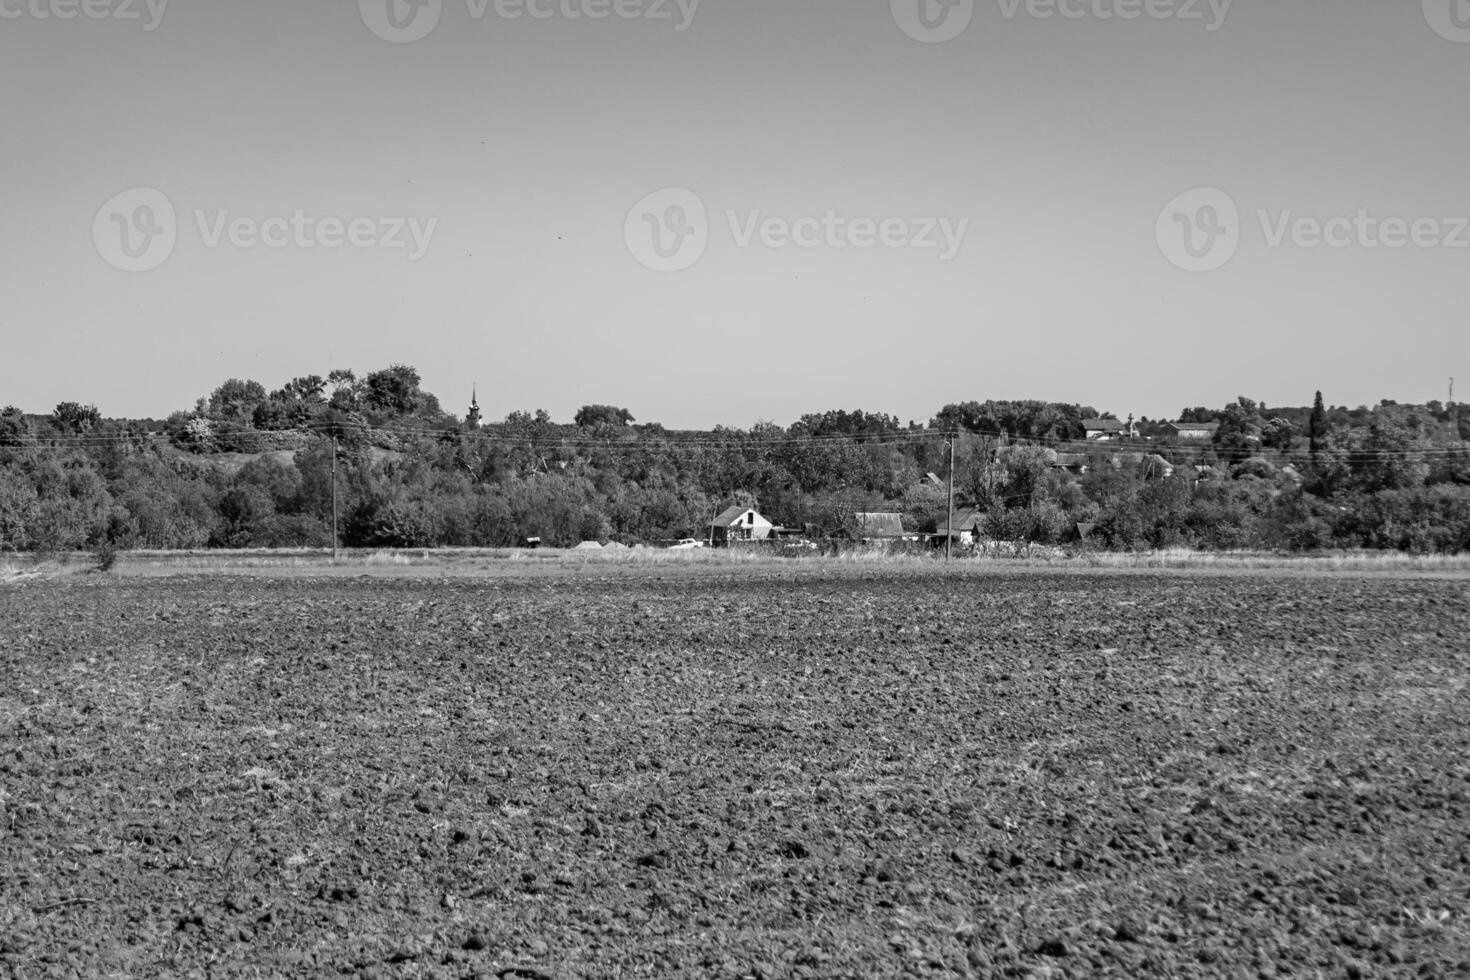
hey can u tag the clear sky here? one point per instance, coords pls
(1051, 138)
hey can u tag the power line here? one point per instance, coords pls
(661, 444)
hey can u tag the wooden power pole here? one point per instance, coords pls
(949, 521)
(334, 499)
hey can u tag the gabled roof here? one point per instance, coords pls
(1196, 426)
(1103, 425)
(964, 520)
(730, 515)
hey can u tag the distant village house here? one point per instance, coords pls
(739, 524)
(1192, 431)
(882, 528)
(964, 530)
(1106, 430)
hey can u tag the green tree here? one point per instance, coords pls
(597, 416)
(1240, 432)
(14, 429)
(1317, 427)
(236, 401)
(71, 418)
(395, 391)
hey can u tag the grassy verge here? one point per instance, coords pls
(512, 561)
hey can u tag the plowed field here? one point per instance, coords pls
(761, 774)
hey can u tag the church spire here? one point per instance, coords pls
(473, 418)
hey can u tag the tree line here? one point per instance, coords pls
(251, 467)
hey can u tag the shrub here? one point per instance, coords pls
(104, 556)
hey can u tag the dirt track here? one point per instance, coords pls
(736, 775)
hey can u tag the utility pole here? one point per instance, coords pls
(1452, 393)
(334, 499)
(949, 521)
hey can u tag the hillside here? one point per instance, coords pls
(247, 467)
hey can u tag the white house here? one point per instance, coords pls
(965, 530)
(739, 524)
(1192, 431)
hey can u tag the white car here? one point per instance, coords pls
(685, 544)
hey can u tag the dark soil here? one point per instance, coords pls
(752, 775)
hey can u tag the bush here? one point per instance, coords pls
(104, 556)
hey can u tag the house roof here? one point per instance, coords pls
(1196, 426)
(730, 515)
(1103, 425)
(964, 520)
(880, 525)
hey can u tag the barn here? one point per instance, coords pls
(965, 530)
